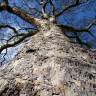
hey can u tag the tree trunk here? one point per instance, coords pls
(49, 65)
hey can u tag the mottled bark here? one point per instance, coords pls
(49, 65)
(19, 13)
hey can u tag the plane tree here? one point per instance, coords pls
(49, 64)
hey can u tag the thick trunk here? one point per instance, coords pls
(49, 66)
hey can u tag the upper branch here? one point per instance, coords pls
(68, 7)
(72, 29)
(24, 36)
(43, 5)
(53, 7)
(19, 13)
(10, 27)
(6, 1)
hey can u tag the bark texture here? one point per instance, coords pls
(49, 65)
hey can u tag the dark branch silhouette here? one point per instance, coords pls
(24, 36)
(37, 22)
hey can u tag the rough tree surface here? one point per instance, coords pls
(49, 65)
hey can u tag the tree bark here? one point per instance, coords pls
(49, 65)
(19, 13)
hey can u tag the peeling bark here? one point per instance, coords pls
(56, 68)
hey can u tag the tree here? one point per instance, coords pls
(5, 6)
(49, 47)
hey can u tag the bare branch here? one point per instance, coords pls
(32, 10)
(43, 4)
(70, 28)
(10, 27)
(6, 1)
(18, 41)
(77, 2)
(19, 13)
(76, 31)
(53, 7)
(1, 63)
(69, 7)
